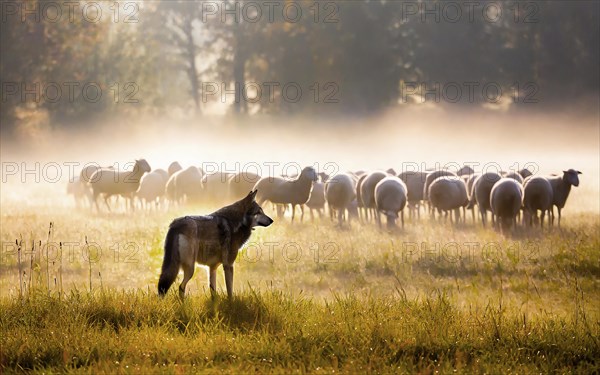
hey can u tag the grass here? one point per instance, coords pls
(308, 297)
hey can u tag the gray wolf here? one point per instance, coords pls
(209, 240)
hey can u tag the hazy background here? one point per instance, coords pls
(382, 83)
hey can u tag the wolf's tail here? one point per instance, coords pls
(170, 266)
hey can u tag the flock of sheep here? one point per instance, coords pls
(363, 195)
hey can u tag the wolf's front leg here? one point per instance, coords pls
(229, 279)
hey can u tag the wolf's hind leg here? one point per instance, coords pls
(229, 280)
(188, 272)
(213, 280)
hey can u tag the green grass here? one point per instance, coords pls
(135, 331)
(431, 297)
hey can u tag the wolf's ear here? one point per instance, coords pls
(252, 195)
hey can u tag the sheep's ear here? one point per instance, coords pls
(565, 171)
(579, 172)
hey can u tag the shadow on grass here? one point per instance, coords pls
(245, 313)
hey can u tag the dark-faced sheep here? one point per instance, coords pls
(367, 192)
(415, 183)
(390, 199)
(448, 193)
(561, 187)
(241, 183)
(339, 194)
(481, 194)
(537, 195)
(506, 199)
(283, 192)
(109, 182)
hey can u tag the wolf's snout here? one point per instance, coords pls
(265, 221)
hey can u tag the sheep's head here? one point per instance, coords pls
(310, 174)
(143, 165)
(571, 176)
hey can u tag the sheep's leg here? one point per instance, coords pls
(106, 197)
(293, 211)
(402, 218)
(542, 218)
(457, 214)
(301, 212)
(483, 216)
(340, 217)
(312, 215)
(559, 214)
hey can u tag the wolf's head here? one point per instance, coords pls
(254, 215)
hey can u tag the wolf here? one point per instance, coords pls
(209, 240)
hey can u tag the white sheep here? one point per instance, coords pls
(390, 199)
(505, 200)
(109, 182)
(367, 192)
(152, 187)
(448, 193)
(281, 191)
(241, 183)
(339, 194)
(184, 184)
(415, 183)
(481, 194)
(537, 195)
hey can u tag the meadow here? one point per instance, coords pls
(309, 297)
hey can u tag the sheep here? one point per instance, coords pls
(340, 194)
(241, 183)
(174, 167)
(561, 187)
(316, 200)
(431, 176)
(465, 171)
(362, 211)
(448, 193)
(367, 191)
(184, 184)
(481, 194)
(391, 198)
(415, 183)
(525, 173)
(108, 182)
(515, 176)
(537, 195)
(505, 200)
(165, 175)
(152, 187)
(216, 186)
(471, 193)
(281, 191)
(78, 190)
